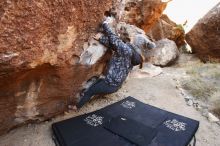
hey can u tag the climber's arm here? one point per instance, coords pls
(104, 40)
(117, 44)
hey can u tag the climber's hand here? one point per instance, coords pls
(108, 20)
(97, 36)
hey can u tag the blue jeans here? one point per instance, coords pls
(100, 87)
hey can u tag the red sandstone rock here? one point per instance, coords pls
(46, 53)
(147, 14)
(165, 28)
(143, 14)
(204, 38)
(41, 43)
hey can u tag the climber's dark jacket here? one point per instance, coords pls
(123, 59)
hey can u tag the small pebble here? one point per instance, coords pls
(212, 118)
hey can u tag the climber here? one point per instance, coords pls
(126, 55)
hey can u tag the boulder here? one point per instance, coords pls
(165, 53)
(128, 30)
(135, 35)
(47, 54)
(166, 28)
(143, 13)
(204, 38)
(148, 15)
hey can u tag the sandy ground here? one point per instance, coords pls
(155, 87)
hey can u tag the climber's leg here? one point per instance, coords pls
(100, 87)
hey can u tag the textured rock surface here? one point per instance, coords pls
(43, 62)
(165, 28)
(204, 38)
(164, 54)
(143, 13)
(47, 54)
(147, 14)
(128, 30)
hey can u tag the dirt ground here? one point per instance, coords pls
(154, 86)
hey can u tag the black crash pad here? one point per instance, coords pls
(120, 124)
(140, 133)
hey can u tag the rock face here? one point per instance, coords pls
(47, 54)
(128, 30)
(143, 13)
(165, 28)
(147, 15)
(165, 53)
(204, 38)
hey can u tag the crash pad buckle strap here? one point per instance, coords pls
(194, 141)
